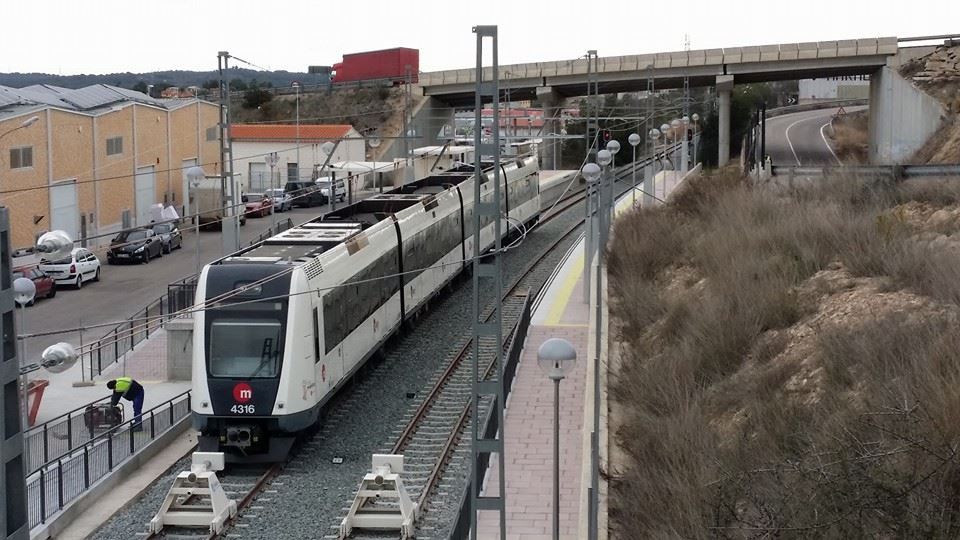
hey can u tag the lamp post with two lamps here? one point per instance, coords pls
(696, 137)
(674, 130)
(195, 176)
(327, 149)
(556, 357)
(613, 147)
(605, 159)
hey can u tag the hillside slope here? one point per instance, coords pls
(790, 363)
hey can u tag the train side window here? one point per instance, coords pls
(316, 335)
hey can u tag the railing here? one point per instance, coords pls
(57, 437)
(59, 481)
(281, 226)
(489, 424)
(124, 337)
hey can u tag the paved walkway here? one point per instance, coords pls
(147, 363)
(528, 441)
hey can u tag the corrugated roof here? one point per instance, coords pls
(287, 132)
(88, 98)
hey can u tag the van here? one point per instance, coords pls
(339, 188)
(304, 193)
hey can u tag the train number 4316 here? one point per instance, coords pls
(243, 409)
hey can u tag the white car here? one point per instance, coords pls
(281, 199)
(81, 266)
(339, 189)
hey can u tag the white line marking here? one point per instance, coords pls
(790, 144)
(830, 148)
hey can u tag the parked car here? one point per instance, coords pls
(170, 237)
(304, 193)
(257, 204)
(135, 245)
(338, 188)
(81, 266)
(281, 199)
(46, 286)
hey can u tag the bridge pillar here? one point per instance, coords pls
(551, 148)
(724, 88)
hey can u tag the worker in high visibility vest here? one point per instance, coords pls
(130, 390)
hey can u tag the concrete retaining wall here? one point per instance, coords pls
(902, 117)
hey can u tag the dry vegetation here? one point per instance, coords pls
(850, 137)
(791, 362)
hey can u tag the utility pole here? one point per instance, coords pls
(491, 271)
(648, 185)
(685, 119)
(592, 140)
(230, 225)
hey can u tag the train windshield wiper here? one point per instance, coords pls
(266, 355)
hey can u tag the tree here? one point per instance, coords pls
(238, 85)
(140, 87)
(211, 84)
(255, 97)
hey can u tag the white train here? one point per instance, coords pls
(303, 310)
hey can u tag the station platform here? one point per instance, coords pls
(565, 312)
(147, 363)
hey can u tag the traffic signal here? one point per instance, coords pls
(606, 135)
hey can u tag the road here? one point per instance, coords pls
(125, 289)
(800, 138)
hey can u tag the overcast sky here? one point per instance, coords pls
(106, 36)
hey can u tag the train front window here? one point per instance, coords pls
(245, 348)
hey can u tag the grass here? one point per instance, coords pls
(850, 137)
(728, 432)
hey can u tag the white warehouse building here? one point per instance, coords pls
(833, 88)
(253, 142)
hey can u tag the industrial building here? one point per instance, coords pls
(93, 160)
(833, 88)
(298, 149)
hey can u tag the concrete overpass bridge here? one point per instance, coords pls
(894, 102)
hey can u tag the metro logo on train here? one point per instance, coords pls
(242, 393)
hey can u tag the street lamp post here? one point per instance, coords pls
(195, 176)
(374, 143)
(591, 173)
(684, 166)
(327, 149)
(696, 137)
(648, 180)
(24, 292)
(272, 160)
(634, 140)
(296, 87)
(556, 358)
(613, 147)
(605, 159)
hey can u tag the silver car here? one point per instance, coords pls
(339, 189)
(281, 199)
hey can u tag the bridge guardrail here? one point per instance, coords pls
(57, 436)
(60, 481)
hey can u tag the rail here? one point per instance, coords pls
(60, 481)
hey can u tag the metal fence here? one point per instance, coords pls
(57, 437)
(59, 481)
(281, 226)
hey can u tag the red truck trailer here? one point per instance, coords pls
(386, 64)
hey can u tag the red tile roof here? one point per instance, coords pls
(287, 132)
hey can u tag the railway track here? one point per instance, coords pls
(431, 436)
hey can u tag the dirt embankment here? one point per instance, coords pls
(366, 109)
(938, 74)
(791, 363)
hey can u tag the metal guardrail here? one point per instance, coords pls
(58, 436)
(60, 481)
(803, 107)
(887, 171)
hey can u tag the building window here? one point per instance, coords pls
(213, 133)
(293, 173)
(114, 146)
(21, 157)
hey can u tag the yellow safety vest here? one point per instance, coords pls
(123, 384)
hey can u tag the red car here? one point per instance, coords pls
(46, 286)
(257, 204)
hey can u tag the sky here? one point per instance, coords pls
(107, 36)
